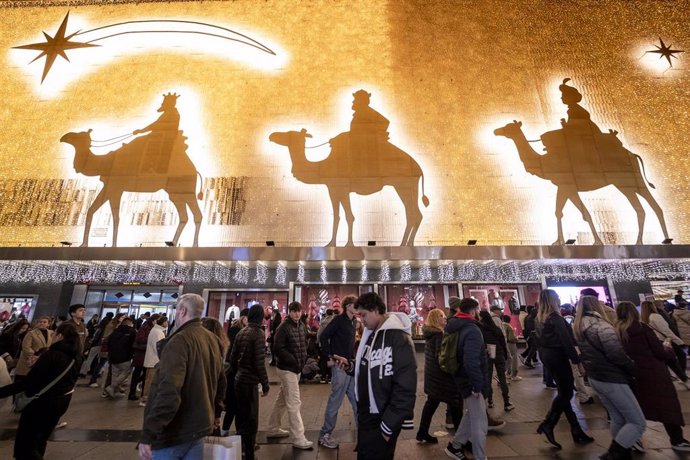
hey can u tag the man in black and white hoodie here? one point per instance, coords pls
(386, 379)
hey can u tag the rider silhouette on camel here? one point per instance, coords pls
(360, 149)
(162, 135)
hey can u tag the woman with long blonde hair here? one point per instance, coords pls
(611, 372)
(439, 386)
(654, 388)
(557, 351)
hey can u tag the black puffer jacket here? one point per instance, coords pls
(248, 356)
(290, 345)
(48, 367)
(438, 384)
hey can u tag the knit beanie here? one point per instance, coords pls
(454, 303)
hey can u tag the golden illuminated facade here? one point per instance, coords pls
(445, 74)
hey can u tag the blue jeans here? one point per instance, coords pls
(188, 451)
(627, 420)
(341, 384)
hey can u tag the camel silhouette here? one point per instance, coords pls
(573, 174)
(344, 174)
(128, 169)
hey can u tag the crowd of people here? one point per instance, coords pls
(198, 378)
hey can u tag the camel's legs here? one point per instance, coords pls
(647, 195)
(99, 201)
(335, 202)
(577, 201)
(561, 200)
(196, 214)
(115, 209)
(181, 206)
(413, 216)
(639, 210)
(349, 217)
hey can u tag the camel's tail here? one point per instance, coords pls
(644, 173)
(200, 195)
(425, 199)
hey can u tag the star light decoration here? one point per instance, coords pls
(405, 272)
(300, 273)
(55, 46)
(323, 273)
(261, 275)
(665, 52)
(385, 272)
(281, 274)
(241, 275)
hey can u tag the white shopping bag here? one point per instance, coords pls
(222, 448)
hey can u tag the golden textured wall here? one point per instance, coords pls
(446, 74)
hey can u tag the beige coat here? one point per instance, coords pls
(33, 341)
(682, 317)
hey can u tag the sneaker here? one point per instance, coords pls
(142, 404)
(681, 446)
(550, 386)
(494, 424)
(61, 425)
(639, 448)
(279, 433)
(328, 442)
(303, 444)
(427, 438)
(508, 407)
(93, 385)
(517, 378)
(453, 452)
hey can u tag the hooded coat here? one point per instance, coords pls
(438, 384)
(392, 371)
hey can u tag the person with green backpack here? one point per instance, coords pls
(471, 379)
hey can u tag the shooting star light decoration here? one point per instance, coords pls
(61, 42)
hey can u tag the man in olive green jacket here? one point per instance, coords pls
(187, 392)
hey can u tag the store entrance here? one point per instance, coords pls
(132, 301)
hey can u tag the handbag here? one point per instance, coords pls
(21, 400)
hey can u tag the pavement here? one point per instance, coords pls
(103, 429)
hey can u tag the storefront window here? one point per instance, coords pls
(317, 298)
(12, 307)
(226, 305)
(417, 300)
